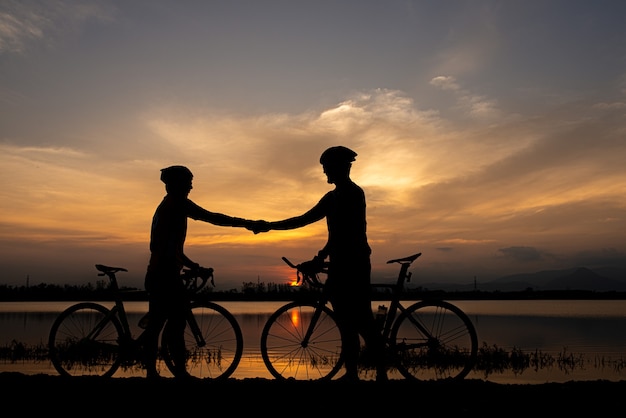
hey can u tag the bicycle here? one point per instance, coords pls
(429, 340)
(88, 338)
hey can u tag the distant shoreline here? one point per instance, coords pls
(140, 296)
(32, 393)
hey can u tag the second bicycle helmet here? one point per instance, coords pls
(338, 155)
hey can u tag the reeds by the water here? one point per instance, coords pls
(491, 359)
(16, 351)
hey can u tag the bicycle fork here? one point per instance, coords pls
(195, 329)
(316, 316)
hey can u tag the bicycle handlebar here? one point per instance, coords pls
(196, 279)
(307, 272)
(289, 263)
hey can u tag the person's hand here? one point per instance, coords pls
(258, 226)
(205, 272)
(318, 262)
(312, 266)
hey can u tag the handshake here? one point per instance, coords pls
(257, 226)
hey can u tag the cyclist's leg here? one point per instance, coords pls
(349, 291)
(150, 338)
(374, 343)
(174, 339)
(347, 315)
(355, 318)
(373, 338)
(168, 303)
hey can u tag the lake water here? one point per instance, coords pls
(593, 332)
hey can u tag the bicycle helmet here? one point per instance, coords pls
(338, 155)
(176, 174)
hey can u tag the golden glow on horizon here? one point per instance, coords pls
(427, 186)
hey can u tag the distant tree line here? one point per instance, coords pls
(101, 291)
(53, 292)
(278, 291)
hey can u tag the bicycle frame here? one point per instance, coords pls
(428, 339)
(118, 309)
(394, 305)
(396, 291)
(88, 338)
(396, 308)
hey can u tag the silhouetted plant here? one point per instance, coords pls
(491, 359)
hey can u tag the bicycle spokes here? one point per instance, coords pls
(434, 340)
(302, 341)
(85, 340)
(213, 343)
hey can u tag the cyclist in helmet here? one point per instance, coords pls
(348, 252)
(166, 293)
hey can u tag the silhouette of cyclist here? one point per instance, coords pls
(349, 272)
(167, 297)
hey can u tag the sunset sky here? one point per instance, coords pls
(491, 135)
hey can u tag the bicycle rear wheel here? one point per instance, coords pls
(434, 340)
(214, 348)
(84, 341)
(288, 355)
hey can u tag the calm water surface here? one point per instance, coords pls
(592, 330)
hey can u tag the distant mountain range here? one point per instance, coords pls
(581, 278)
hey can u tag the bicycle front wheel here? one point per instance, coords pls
(302, 341)
(84, 341)
(434, 340)
(213, 341)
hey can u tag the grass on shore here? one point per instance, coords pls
(491, 359)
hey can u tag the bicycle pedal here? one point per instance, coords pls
(144, 321)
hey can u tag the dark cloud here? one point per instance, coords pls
(524, 254)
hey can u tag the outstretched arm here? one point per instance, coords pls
(200, 214)
(307, 218)
(313, 215)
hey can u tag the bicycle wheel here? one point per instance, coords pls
(215, 348)
(287, 353)
(434, 340)
(84, 341)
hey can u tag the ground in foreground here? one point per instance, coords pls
(91, 396)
